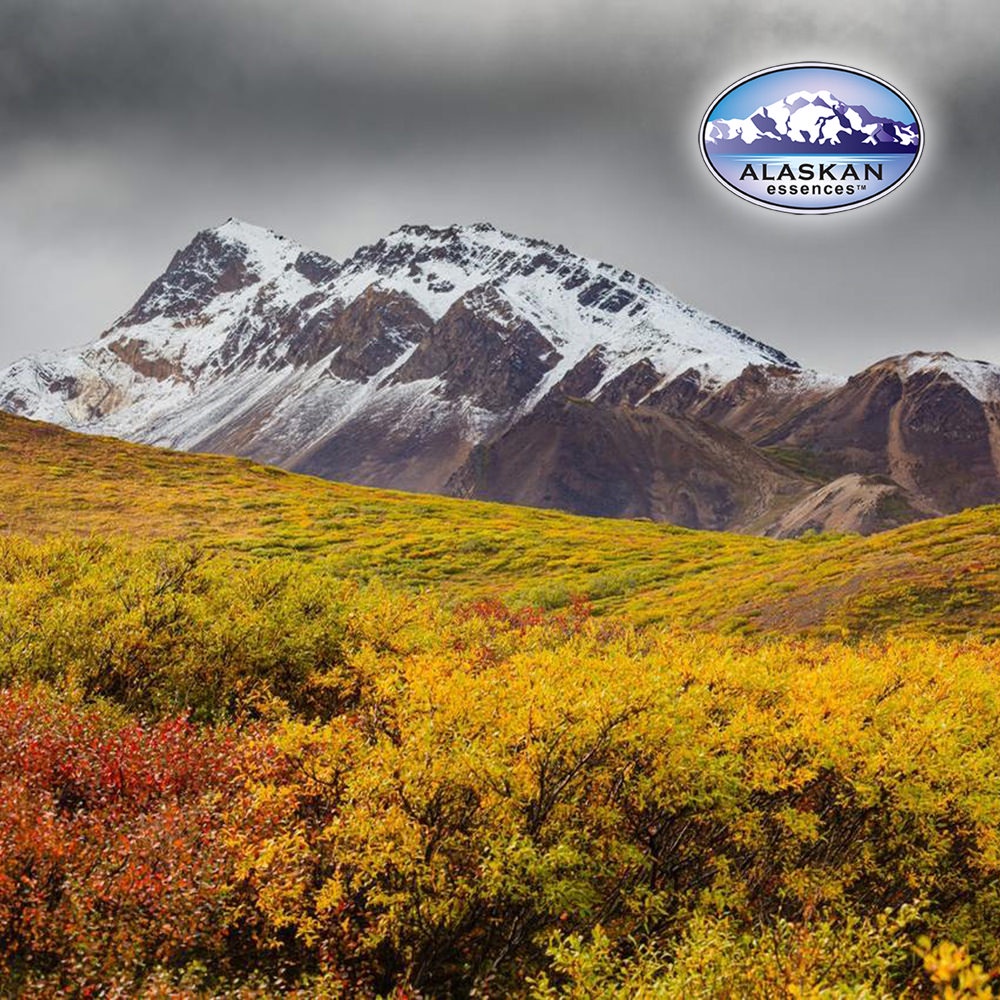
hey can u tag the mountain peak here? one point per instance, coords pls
(269, 249)
(980, 378)
(577, 302)
(234, 228)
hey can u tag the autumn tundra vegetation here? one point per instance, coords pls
(262, 735)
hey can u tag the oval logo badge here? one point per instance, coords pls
(811, 138)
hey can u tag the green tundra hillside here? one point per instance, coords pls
(941, 576)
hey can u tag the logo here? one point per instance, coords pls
(811, 138)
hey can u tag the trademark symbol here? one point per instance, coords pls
(862, 187)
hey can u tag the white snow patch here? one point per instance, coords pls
(980, 378)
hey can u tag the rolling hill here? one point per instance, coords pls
(940, 575)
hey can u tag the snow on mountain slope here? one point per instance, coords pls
(577, 304)
(247, 330)
(980, 378)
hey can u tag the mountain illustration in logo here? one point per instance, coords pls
(808, 122)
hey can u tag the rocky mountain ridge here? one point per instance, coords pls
(470, 361)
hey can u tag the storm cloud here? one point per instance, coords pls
(128, 125)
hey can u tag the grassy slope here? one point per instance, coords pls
(940, 576)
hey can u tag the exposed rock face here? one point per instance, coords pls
(209, 266)
(853, 503)
(929, 422)
(367, 337)
(632, 386)
(762, 398)
(134, 354)
(623, 461)
(482, 352)
(469, 360)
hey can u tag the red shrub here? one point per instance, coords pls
(109, 846)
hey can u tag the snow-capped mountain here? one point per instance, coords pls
(386, 368)
(469, 361)
(807, 121)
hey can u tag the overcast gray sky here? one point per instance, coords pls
(128, 125)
